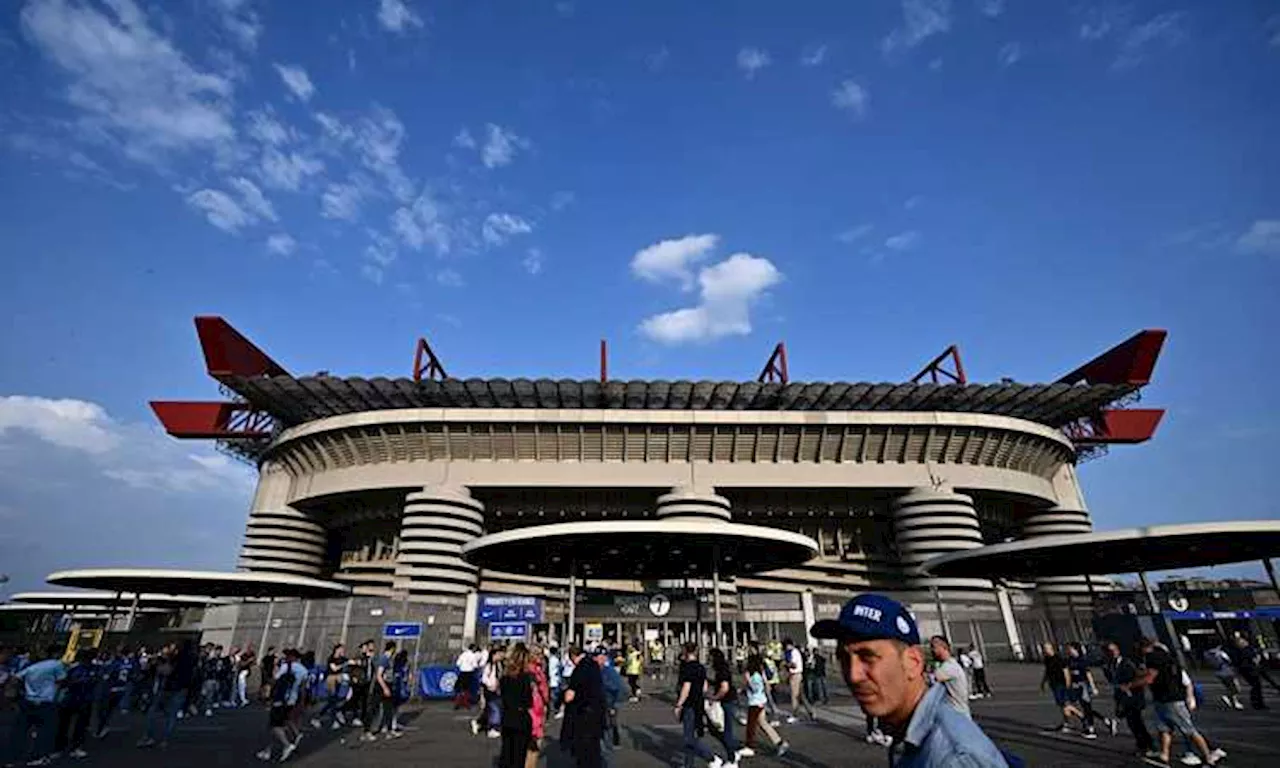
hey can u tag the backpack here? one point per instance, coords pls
(490, 678)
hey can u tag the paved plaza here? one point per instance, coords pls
(439, 736)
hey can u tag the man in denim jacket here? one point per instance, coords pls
(878, 646)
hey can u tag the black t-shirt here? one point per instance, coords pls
(695, 675)
(1053, 669)
(723, 676)
(1167, 686)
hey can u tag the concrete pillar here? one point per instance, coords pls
(1058, 521)
(279, 538)
(471, 610)
(810, 616)
(437, 521)
(1010, 626)
(933, 521)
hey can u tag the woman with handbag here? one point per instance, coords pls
(725, 696)
(516, 692)
(691, 709)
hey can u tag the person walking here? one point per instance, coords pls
(467, 663)
(1245, 658)
(1130, 699)
(541, 707)
(691, 708)
(1083, 690)
(1058, 679)
(489, 717)
(981, 689)
(1219, 660)
(1163, 677)
(76, 706)
(555, 679)
(950, 675)
(611, 683)
(381, 706)
(244, 668)
(360, 671)
(723, 692)
(38, 709)
(516, 692)
(175, 671)
(757, 721)
(793, 662)
(880, 660)
(284, 684)
(635, 668)
(819, 678)
(584, 712)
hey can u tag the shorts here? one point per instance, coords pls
(1059, 695)
(279, 715)
(1174, 716)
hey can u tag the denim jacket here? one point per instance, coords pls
(939, 736)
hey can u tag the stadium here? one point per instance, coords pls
(393, 485)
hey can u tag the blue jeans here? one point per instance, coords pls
(42, 717)
(730, 707)
(693, 746)
(165, 706)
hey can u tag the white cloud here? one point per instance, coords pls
(296, 80)
(813, 55)
(532, 261)
(378, 139)
(991, 8)
(138, 455)
(903, 241)
(673, 259)
(1263, 237)
(341, 201)
(727, 292)
(449, 278)
(241, 21)
(1165, 30)
(372, 273)
(281, 244)
(287, 170)
(220, 209)
(921, 19)
(464, 139)
(334, 128)
(76, 424)
(422, 223)
(255, 203)
(854, 234)
(498, 228)
(657, 60)
(397, 16)
(851, 98)
(1010, 54)
(500, 146)
(265, 128)
(128, 81)
(752, 60)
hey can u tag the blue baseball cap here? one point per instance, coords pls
(870, 617)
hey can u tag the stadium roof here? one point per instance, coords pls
(1153, 548)
(295, 400)
(211, 583)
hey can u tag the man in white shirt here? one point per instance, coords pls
(795, 667)
(981, 689)
(464, 690)
(950, 675)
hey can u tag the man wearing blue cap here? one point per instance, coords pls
(878, 646)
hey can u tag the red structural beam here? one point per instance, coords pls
(935, 368)
(227, 353)
(212, 420)
(425, 363)
(1117, 426)
(1129, 362)
(775, 371)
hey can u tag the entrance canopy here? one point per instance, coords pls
(89, 600)
(1133, 550)
(640, 549)
(208, 583)
(79, 611)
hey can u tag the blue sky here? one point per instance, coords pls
(694, 181)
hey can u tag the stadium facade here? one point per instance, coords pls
(380, 483)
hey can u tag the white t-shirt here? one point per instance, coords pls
(467, 661)
(975, 659)
(795, 660)
(956, 683)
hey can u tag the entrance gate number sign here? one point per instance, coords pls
(594, 633)
(509, 630)
(510, 608)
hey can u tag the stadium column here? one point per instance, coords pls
(279, 538)
(932, 521)
(1060, 592)
(699, 503)
(437, 521)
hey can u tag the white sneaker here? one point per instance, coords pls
(475, 728)
(336, 726)
(494, 733)
(744, 752)
(79, 754)
(1216, 755)
(208, 713)
(1190, 759)
(357, 723)
(265, 754)
(716, 762)
(560, 715)
(288, 750)
(315, 723)
(368, 737)
(784, 748)
(1238, 705)
(182, 715)
(791, 719)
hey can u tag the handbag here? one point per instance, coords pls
(715, 714)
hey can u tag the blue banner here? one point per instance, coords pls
(509, 630)
(402, 629)
(1267, 612)
(510, 608)
(437, 682)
